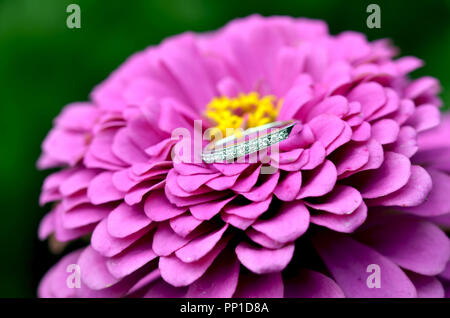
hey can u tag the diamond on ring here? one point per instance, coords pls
(217, 152)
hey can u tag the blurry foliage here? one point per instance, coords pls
(44, 65)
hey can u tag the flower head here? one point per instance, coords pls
(357, 182)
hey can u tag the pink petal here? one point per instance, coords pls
(166, 241)
(246, 182)
(422, 85)
(319, 182)
(363, 132)
(124, 148)
(311, 284)
(172, 184)
(177, 273)
(436, 202)
(295, 98)
(411, 194)
(406, 143)
(416, 245)
(237, 221)
(426, 286)
(262, 260)
(341, 200)
(186, 169)
(199, 247)
(371, 96)
(342, 139)
(288, 188)
(77, 181)
(193, 200)
(126, 220)
(223, 182)
(346, 223)
(219, 281)
(262, 192)
(108, 245)
(391, 105)
(161, 289)
(184, 224)
(385, 131)
(326, 128)
(78, 116)
(101, 189)
(143, 282)
(132, 259)
(260, 286)
(316, 156)
(263, 239)
(192, 183)
(425, 117)
(291, 221)
(393, 174)
(336, 105)
(249, 211)
(94, 272)
(351, 158)
(46, 227)
(207, 210)
(347, 260)
(136, 194)
(54, 284)
(101, 147)
(84, 214)
(230, 169)
(65, 146)
(158, 208)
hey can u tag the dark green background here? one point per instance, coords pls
(44, 65)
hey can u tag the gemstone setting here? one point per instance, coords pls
(248, 147)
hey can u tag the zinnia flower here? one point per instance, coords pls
(362, 179)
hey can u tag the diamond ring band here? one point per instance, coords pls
(252, 140)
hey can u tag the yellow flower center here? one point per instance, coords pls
(244, 111)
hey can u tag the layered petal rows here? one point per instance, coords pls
(362, 179)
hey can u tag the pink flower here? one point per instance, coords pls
(362, 179)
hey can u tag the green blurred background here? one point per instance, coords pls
(44, 65)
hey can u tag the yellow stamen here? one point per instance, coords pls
(244, 111)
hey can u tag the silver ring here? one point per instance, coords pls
(236, 148)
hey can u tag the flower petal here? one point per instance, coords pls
(102, 190)
(427, 286)
(94, 272)
(437, 202)
(341, 200)
(319, 182)
(263, 260)
(199, 247)
(158, 208)
(288, 188)
(416, 245)
(126, 220)
(393, 174)
(347, 260)
(291, 221)
(311, 284)
(219, 281)
(131, 259)
(178, 273)
(411, 194)
(260, 286)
